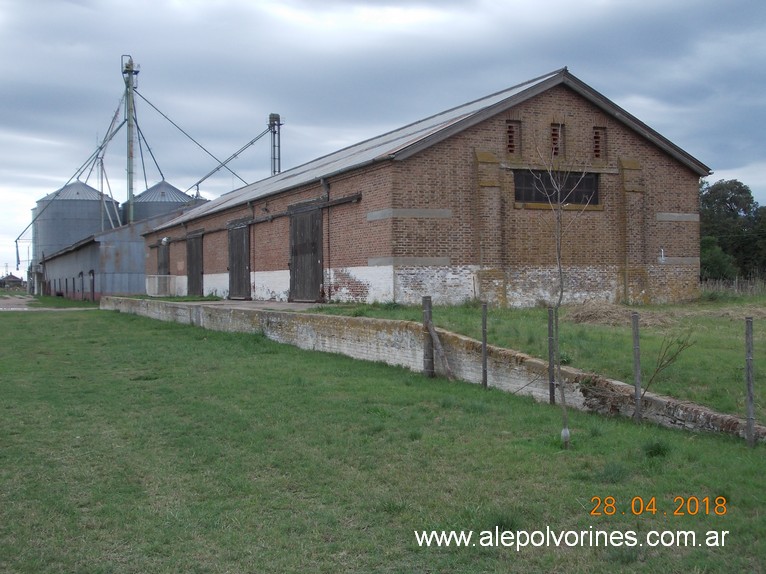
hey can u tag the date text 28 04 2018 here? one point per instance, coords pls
(682, 506)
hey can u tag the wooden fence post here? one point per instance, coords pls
(750, 428)
(636, 364)
(428, 343)
(437, 346)
(551, 366)
(484, 345)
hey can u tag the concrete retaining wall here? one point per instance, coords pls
(400, 343)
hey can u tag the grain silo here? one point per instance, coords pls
(159, 199)
(72, 213)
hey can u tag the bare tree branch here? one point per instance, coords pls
(555, 182)
(670, 349)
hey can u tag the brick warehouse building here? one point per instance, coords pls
(448, 207)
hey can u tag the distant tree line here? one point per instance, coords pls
(732, 232)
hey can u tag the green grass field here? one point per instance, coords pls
(129, 445)
(598, 339)
(50, 302)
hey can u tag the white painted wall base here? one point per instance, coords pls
(530, 286)
(161, 285)
(182, 286)
(373, 284)
(453, 284)
(446, 285)
(270, 285)
(216, 284)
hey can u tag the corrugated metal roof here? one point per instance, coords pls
(410, 139)
(76, 190)
(162, 192)
(384, 147)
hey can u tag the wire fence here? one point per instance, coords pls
(739, 286)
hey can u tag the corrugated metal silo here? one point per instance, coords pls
(71, 214)
(159, 199)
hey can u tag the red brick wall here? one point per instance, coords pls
(623, 225)
(349, 239)
(445, 176)
(471, 174)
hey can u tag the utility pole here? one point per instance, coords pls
(129, 72)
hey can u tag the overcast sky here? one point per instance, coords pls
(340, 71)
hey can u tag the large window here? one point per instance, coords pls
(538, 186)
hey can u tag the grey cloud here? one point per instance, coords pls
(695, 68)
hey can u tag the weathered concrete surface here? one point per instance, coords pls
(401, 343)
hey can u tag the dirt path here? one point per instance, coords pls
(15, 302)
(20, 302)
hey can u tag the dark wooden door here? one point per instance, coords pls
(239, 262)
(194, 268)
(163, 259)
(306, 256)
